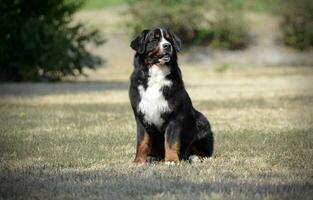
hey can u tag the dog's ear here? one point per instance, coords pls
(176, 41)
(138, 44)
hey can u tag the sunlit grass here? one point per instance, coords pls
(256, 5)
(77, 140)
(98, 4)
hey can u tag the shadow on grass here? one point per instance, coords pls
(41, 89)
(136, 183)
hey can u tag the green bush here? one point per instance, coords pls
(297, 24)
(213, 22)
(184, 17)
(229, 28)
(39, 41)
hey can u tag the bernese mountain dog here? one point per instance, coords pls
(169, 128)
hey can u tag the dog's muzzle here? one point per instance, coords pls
(164, 58)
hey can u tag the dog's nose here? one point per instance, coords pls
(167, 46)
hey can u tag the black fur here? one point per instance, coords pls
(183, 122)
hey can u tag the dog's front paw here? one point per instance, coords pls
(170, 163)
(139, 161)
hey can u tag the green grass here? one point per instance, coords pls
(255, 5)
(98, 4)
(77, 140)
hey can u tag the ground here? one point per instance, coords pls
(76, 139)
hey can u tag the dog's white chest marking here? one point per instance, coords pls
(153, 103)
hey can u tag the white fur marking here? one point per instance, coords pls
(170, 163)
(163, 41)
(153, 103)
(193, 158)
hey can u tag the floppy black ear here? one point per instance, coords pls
(176, 41)
(138, 44)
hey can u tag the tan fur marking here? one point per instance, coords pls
(143, 149)
(171, 151)
(150, 54)
(171, 103)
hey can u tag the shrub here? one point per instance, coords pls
(297, 23)
(184, 17)
(39, 41)
(229, 28)
(195, 21)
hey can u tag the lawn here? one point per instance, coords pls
(76, 140)
(97, 4)
(256, 5)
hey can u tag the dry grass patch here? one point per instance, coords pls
(77, 140)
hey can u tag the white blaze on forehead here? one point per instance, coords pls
(163, 40)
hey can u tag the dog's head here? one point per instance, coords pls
(158, 45)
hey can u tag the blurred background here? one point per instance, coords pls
(63, 39)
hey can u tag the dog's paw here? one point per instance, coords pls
(194, 159)
(170, 163)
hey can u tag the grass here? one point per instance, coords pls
(255, 5)
(76, 140)
(98, 4)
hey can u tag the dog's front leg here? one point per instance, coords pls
(143, 148)
(172, 143)
(143, 144)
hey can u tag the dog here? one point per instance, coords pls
(169, 128)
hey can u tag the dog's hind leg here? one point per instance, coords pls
(203, 145)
